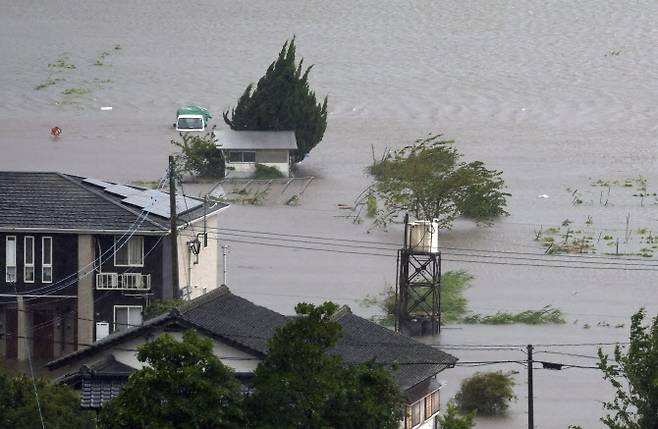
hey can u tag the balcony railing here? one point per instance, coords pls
(125, 281)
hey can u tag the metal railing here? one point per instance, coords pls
(125, 281)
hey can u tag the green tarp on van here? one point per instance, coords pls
(194, 110)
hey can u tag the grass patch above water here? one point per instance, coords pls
(547, 314)
(75, 91)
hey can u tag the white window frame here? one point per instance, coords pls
(241, 152)
(7, 265)
(25, 263)
(127, 247)
(43, 258)
(129, 325)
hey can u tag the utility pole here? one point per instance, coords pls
(174, 228)
(225, 249)
(531, 416)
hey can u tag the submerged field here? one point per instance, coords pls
(558, 95)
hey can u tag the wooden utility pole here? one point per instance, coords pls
(174, 228)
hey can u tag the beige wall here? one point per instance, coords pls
(203, 275)
(234, 358)
(85, 290)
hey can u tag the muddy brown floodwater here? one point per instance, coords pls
(556, 94)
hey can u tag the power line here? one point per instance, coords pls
(367, 247)
(397, 245)
(443, 258)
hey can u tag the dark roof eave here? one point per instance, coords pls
(83, 231)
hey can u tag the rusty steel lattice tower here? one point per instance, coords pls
(418, 291)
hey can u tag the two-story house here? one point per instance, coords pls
(81, 258)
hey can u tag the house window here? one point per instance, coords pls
(129, 254)
(241, 156)
(127, 316)
(47, 259)
(10, 265)
(28, 258)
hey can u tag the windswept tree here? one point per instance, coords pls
(634, 376)
(281, 101)
(184, 386)
(430, 181)
(301, 384)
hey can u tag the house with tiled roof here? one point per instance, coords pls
(240, 331)
(80, 258)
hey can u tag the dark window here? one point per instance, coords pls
(241, 156)
(46, 259)
(130, 253)
(190, 124)
(28, 252)
(10, 259)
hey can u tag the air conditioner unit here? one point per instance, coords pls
(102, 330)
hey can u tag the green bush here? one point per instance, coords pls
(451, 419)
(266, 172)
(486, 393)
(199, 155)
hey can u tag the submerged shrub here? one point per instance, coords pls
(486, 393)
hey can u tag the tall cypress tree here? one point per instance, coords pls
(282, 100)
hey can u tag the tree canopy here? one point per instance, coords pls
(487, 393)
(429, 180)
(634, 376)
(281, 101)
(60, 406)
(301, 384)
(184, 386)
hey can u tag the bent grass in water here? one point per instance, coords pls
(454, 307)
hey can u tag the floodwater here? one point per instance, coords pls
(556, 94)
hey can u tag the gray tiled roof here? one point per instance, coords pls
(233, 318)
(249, 326)
(363, 340)
(46, 201)
(254, 140)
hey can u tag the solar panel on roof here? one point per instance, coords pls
(123, 191)
(96, 182)
(157, 202)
